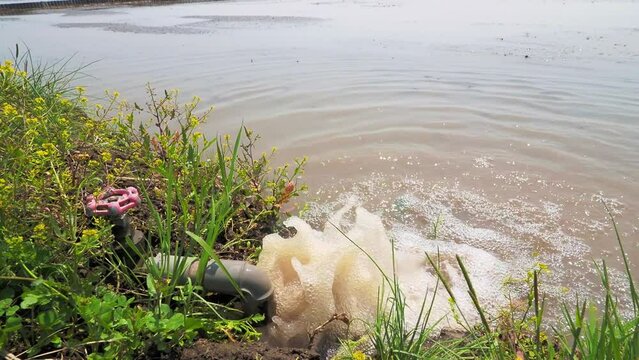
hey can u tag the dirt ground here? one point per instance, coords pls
(209, 350)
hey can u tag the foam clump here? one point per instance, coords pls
(317, 274)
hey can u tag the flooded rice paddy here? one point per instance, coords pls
(509, 121)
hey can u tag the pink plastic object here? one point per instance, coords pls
(113, 202)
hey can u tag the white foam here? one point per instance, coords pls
(319, 274)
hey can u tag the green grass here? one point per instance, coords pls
(67, 287)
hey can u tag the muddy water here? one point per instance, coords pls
(509, 121)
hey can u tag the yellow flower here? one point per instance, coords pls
(9, 110)
(93, 163)
(88, 233)
(32, 121)
(116, 94)
(80, 89)
(5, 188)
(106, 156)
(197, 135)
(39, 100)
(39, 231)
(193, 121)
(49, 147)
(41, 153)
(14, 241)
(63, 121)
(7, 67)
(358, 355)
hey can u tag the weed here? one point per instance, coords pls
(69, 289)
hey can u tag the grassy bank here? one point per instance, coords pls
(67, 287)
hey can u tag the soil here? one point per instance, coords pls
(209, 350)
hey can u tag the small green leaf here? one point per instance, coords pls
(28, 300)
(175, 322)
(48, 319)
(192, 324)
(14, 323)
(12, 310)
(56, 341)
(150, 284)
(165, 310)
(5, 303)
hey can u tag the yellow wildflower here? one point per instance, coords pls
(4, 186)
(7, 67)
(358, 355)
(89, 233)
(106, 156)
(39, 231)
(93, 163)
(14, 241)
(39, 100)
(9, 110)
(80, 89)
(193, 121)
(42, 153)
(49, 147)
(32, 121)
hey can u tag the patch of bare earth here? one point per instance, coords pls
(209, 350)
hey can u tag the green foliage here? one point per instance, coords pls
(67, 287)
